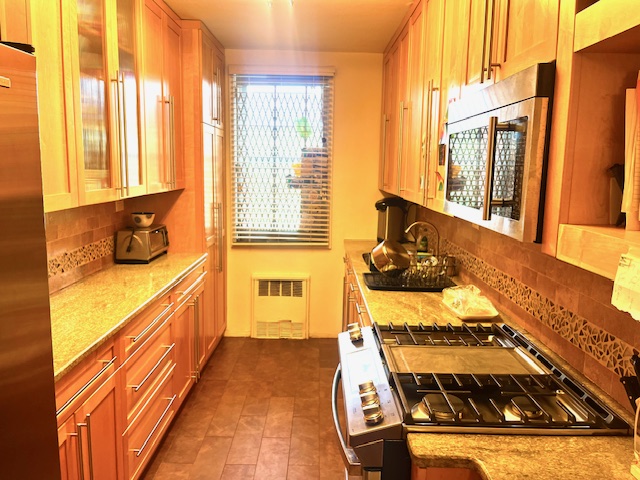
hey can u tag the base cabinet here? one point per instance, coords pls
(88, 426)
(115, 407)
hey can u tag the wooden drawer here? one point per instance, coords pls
(148, 427)
(78, 385)
(144, 325)
(185, 288)
(147, 366)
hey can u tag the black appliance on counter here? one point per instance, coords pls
(392, 214)
(487, 379)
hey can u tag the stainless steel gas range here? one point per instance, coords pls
(484, 378)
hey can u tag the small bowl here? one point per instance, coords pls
(142, 219)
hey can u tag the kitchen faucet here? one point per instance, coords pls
(422, 235)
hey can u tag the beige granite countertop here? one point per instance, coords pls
(496, 457)
(91, 311)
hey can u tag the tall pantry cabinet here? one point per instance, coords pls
(203, 76)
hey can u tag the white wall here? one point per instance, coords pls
(357, 113)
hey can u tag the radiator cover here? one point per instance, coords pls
(280, 307)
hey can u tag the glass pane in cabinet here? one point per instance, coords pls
(93, 93)
(128, 94)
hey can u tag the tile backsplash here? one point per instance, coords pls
(566, 307)
(80, 242)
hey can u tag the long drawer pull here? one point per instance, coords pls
(155, 367)
(139, 451)
(155, 320)
(87, 385)
(193, 285)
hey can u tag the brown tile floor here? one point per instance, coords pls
(262, 410)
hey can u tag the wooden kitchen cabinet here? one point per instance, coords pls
(162, 98)
(89, 426)
(505, 37)
(434, 17)
(88, 107)
(403, 136)
(389, 166)
(56, 120)
(354, 309)
(598, 59)
(205, 143)
(212, 81)
(105, 91)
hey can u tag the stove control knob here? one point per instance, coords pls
(372, 414)
(355, 334)
(369, 398)
(367, 386)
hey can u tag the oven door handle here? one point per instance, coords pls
(351, 461)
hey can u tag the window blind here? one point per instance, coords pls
(281, 143)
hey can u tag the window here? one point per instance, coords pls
(281, 134)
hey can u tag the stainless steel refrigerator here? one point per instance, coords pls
(28, 438)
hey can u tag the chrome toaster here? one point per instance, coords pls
(141, 245)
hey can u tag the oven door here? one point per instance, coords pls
(351, 461)
(380, 454)
(495, 168)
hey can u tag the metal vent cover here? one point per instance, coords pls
(280, 288)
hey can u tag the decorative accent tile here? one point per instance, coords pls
(69, 261)
(608, 350)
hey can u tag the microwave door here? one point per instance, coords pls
(494, 168)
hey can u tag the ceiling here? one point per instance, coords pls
(309, 25)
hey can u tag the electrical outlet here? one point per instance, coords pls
(119, 205)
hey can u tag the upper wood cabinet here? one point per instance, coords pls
(162, 97)
(55, 106)
(432, 57)
(402, 148)
(88, 105)
(212, 81)
(598, 59)
(105, 89)
(505, 37)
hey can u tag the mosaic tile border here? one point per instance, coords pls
(69, 261)
(608, 350)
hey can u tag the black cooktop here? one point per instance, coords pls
(543, 399)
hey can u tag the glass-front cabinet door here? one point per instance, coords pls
(106, 90)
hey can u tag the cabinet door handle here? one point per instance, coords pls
(87, 425)
(169, 348)
(125, 145)
(115, 87)
(87, 385)
(172, 137)
(138, 451)
(155, 320)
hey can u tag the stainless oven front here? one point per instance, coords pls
(368, 420)
(496, 154)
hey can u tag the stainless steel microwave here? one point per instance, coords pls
(497, 149)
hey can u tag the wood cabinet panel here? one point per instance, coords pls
(145, 324)
(150, 362)
(525, 33)
(146, 430)
(55, 112)
(162, 92)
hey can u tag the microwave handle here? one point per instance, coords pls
(488, 174)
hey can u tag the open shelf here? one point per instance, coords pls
(596, 248)
(608, 26)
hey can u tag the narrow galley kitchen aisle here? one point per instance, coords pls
(261, 410)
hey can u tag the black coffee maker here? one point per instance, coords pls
(392, 213)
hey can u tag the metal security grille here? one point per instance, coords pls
(281, 158)
(467, 167)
